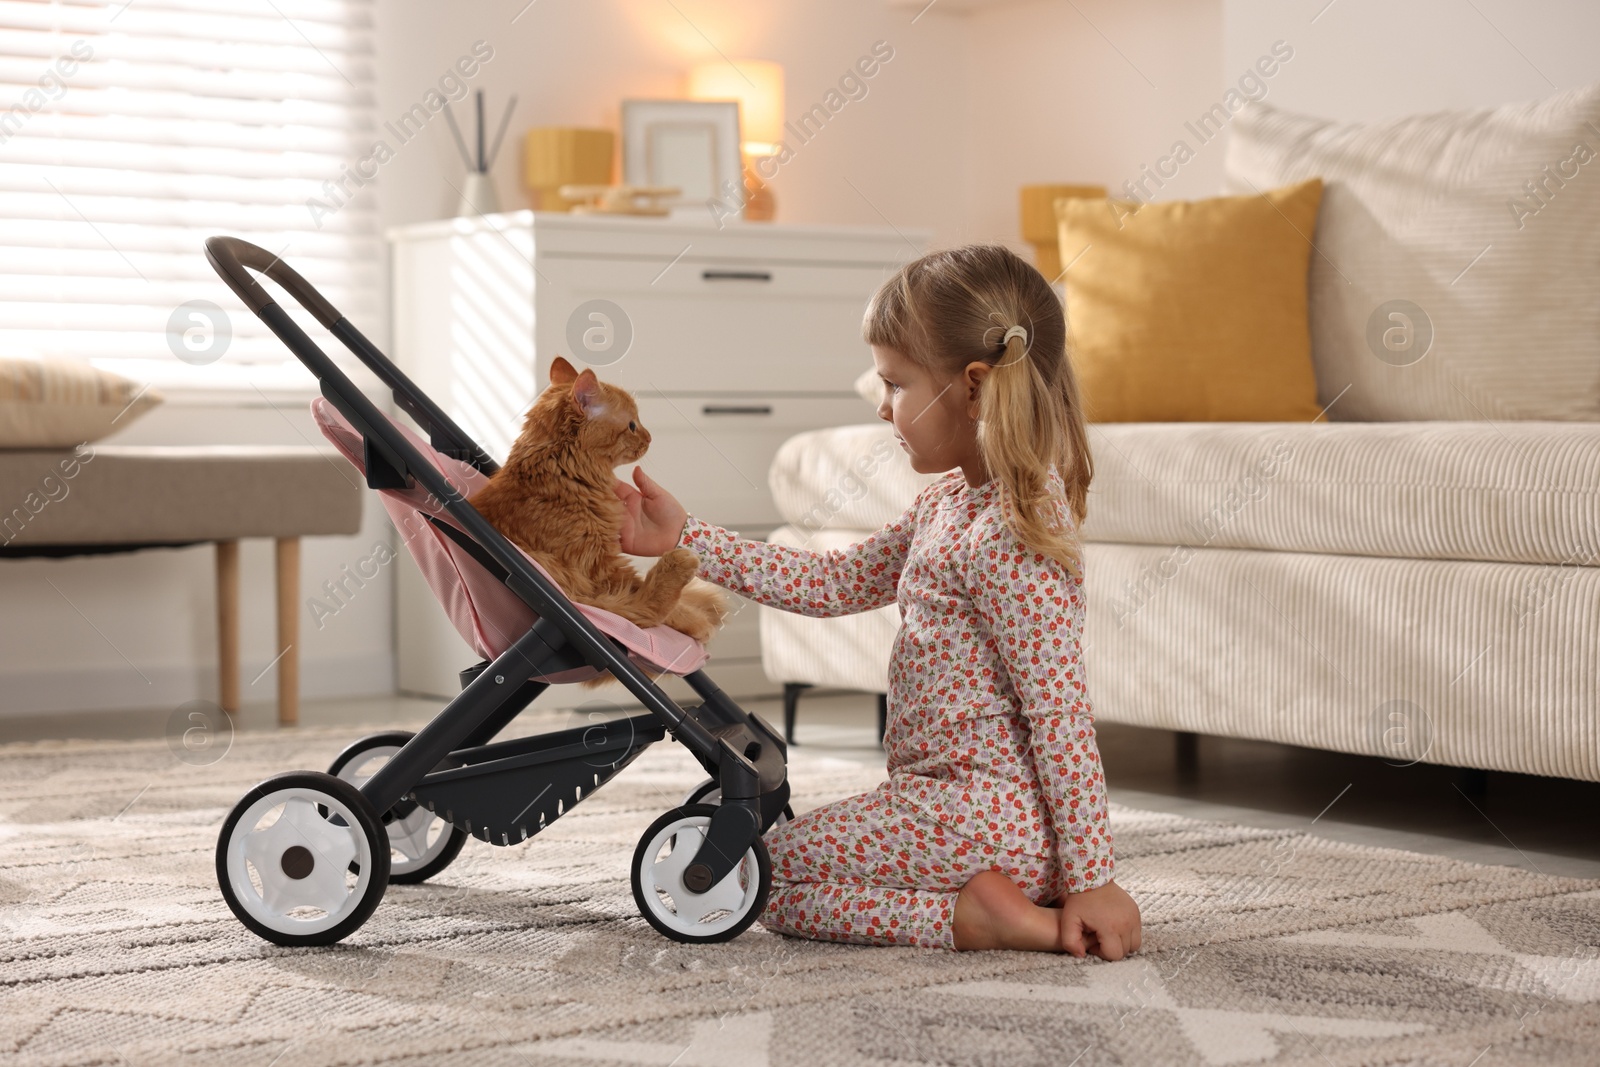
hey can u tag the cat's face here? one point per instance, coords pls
(602, 420)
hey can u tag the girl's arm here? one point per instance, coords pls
(842, 581)
(1028, 604)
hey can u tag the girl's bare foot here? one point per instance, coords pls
(991, 912)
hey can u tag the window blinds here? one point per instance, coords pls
(131, 132)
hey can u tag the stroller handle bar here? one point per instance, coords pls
(393, 463)
(233, 259)
(231, 256)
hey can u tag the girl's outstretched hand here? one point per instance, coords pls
(652, 518)
(1103, 920)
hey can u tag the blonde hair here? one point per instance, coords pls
(956, 307)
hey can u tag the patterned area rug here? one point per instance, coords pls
(1260, 947)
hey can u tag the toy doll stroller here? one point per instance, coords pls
(305, 857)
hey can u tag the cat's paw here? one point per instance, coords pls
(695, 624)
(700, 612)
(707, 599)
(679, 564)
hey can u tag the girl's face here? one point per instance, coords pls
(934, 417)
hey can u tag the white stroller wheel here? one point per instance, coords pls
(420, 843)
(301, 859)
(720, 914)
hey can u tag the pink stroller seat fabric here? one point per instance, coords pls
(484, 611)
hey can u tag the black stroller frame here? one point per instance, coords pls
(501, 792)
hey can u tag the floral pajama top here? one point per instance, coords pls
(991, 749)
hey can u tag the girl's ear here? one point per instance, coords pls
(974, 375)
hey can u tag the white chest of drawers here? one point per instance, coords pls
(731, 340)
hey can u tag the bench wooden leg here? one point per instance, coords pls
(288, 573)
(228, 625)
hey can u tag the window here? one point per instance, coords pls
(131, 132)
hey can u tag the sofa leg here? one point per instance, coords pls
(791, 701)
(1186, 749)
(1473, 781)
(883, 716)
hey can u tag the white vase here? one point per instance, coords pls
(477, 196)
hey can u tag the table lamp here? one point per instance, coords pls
(757, 85)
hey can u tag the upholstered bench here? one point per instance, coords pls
(99, 499)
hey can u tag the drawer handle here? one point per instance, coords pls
(736, 409)
(736, 275)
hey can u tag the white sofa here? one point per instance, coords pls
(1415, 576)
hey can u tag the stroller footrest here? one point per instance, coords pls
(507, 792)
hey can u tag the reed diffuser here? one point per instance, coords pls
(477, 191)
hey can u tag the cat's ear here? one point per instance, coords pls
(586, 392)
(561, 372)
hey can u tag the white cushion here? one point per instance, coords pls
(1519, 492)
(1435, 210)
(852, 477)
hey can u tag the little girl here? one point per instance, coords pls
(991, 831)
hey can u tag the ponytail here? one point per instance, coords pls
(1021, 419)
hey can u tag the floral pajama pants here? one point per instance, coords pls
(877, 869)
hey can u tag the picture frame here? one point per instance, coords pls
(691, 144)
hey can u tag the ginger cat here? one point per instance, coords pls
(553, 498)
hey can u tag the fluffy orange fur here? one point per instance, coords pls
(553, 498)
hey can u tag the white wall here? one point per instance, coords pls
(570, 63)
(1084, 92)
(1094, 90)
(1367, 59)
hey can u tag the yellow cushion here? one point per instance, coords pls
(1192, 311)
(1040, 227)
